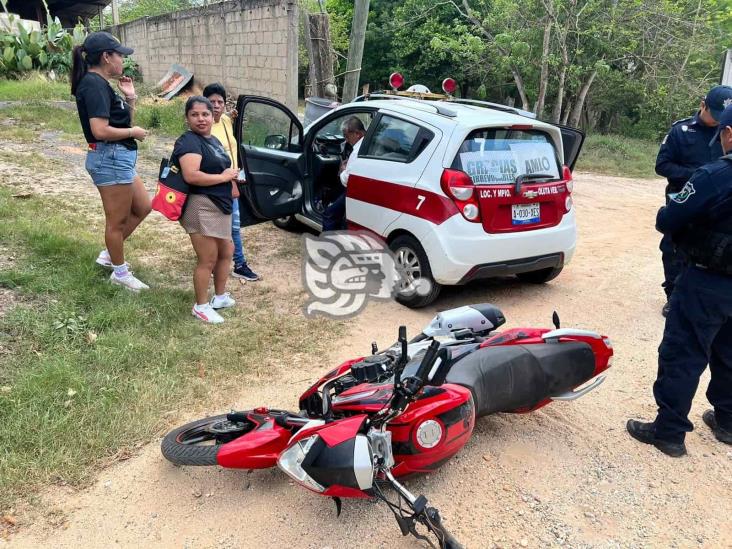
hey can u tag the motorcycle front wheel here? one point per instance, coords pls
(198, 442)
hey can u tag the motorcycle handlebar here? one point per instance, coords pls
(428, 361)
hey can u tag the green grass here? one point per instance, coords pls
(40, 116)
(617, 155)
(90, 369)
(162, 117)
(34, 87)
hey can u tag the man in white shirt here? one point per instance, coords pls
(334, 216)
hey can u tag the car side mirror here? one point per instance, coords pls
(278, 142)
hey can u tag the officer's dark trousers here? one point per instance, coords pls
(698, 332)
(672, 264)
(334, 216)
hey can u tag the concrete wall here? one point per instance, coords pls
(250, 46)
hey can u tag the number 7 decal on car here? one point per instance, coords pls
(420, 200)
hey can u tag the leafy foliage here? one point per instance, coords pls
(627, 66)
(48, 49)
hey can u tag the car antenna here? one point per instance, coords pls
(555, 320)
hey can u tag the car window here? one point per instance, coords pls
(333, 128)
(396, 140)
(499, 155)
(329, 139)
(268, 127)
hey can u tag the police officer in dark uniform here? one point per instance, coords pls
(687, 146)
(699, 323)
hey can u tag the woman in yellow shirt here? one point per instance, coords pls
(223, 130)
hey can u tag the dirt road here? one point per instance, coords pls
(567, 475)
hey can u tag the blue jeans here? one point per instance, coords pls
(239, 257)
(111, 164)
(698, 332)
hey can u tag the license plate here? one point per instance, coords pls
(523, 214)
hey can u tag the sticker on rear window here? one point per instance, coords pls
(501, 161)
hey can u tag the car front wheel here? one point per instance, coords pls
(417, 288)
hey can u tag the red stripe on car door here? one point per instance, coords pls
(417, 202)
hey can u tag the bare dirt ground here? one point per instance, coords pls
(567, 475)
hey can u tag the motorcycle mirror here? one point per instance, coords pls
(555, 320)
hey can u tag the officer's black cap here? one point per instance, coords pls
(717, 100)
(99, 42)
(725, 120)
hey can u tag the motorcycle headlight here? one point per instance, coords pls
(290, 462)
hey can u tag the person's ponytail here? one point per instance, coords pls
(78, 68)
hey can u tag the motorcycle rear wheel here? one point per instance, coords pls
(198, 442)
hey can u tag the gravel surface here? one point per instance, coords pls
(567, 475)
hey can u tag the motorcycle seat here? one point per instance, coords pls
(508, 378)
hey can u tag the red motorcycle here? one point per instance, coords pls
(404, 410)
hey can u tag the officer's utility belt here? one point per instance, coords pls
(709, 250)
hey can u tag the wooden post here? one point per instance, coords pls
(355, 49)
(115, 13)
(322, 54)
(101, 17)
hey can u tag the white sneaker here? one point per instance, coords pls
(207, 314)
(104, 259)
(223, 302)
(129, 281)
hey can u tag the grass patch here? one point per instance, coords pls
(33, 88)
(33, 159)
(92, 369)
(161, 117)
(617, 155)
(38, 116)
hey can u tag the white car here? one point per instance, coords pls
(459, 189)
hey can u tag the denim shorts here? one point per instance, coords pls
(111, 164)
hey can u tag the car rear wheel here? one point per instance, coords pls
(540, 277)
(288, 223)
(417, 288)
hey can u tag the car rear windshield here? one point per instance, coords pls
(498, 155)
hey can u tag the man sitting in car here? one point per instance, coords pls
(334, 216)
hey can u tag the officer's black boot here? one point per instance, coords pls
(646, 433)
(722, 434)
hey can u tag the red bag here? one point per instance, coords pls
(172, 192)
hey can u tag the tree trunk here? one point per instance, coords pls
(321, 60)
(565, 115)
(557, 112)
(521, 89)
(309, 86)
(543, 79)
(355, 49)
(577, 110)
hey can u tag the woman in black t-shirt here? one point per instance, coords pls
(106, 119)
(207, 216)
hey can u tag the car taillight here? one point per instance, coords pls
(569, 182)
(567, 176)
(460, 188)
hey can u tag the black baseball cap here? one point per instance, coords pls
(725, 119)
(98, 42)
(718, 98)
